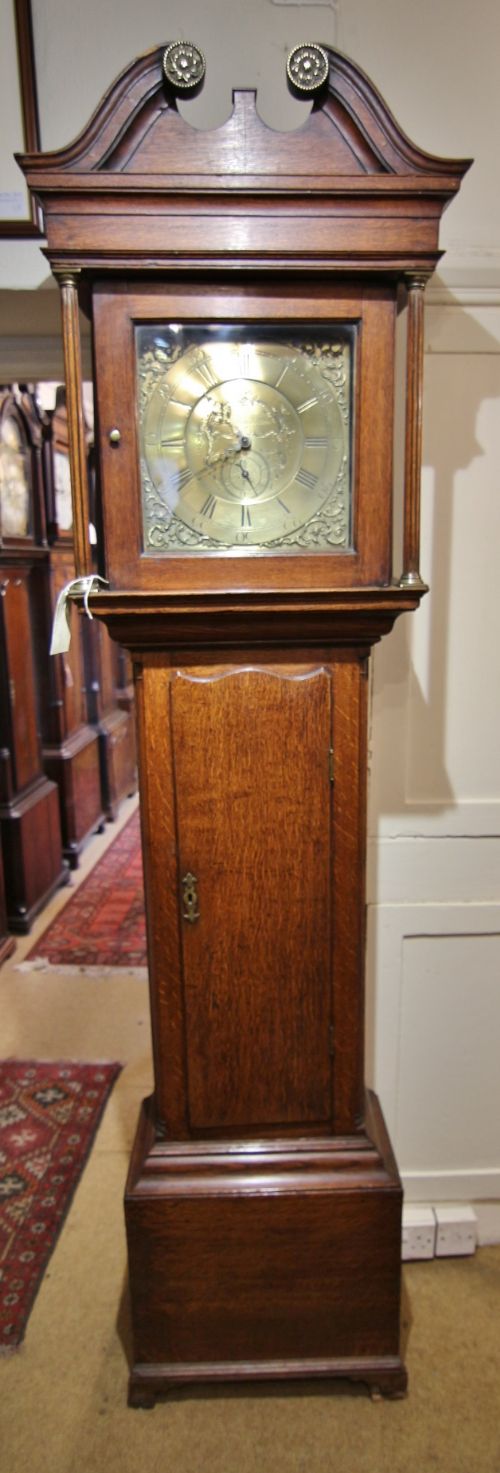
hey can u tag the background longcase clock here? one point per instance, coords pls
(29, 807)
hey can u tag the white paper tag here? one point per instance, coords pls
(61, 628)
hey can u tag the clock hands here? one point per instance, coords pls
(246, 474)
(245, 444)
(241, 443)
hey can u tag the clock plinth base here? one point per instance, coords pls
(272, 1261)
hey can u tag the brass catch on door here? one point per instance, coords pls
(190, 898)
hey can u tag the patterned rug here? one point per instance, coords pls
(103, 925)
(49, 1114)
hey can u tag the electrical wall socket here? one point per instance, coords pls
(449, 1231)
(419, 1233)
(456, 1231)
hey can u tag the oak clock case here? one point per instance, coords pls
(243, 287)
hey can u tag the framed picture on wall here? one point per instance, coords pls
(20, 217)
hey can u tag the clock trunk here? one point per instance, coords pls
(263, 1204)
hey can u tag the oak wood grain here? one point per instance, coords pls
(350, 738)
(257, 963)
(77, 442)
(277, 1261)
(212, 618)
(413, 429)
(157, 791)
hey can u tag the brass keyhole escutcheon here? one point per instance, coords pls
(190, 898)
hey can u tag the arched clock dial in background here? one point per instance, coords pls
(245, 439)
(15, 481)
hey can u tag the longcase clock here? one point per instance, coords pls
(243, 287)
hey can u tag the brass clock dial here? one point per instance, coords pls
(245, 441)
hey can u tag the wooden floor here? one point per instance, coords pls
(63, 1396)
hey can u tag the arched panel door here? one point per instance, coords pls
(253, 808)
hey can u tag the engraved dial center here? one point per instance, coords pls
(245, 435)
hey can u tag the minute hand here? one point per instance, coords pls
(246, 474)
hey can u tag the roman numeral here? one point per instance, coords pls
(283, 504)
(308, 404)
(315, 442)
(207, 373)
(246, 520)
(306, 478)
(183, 478)
(209, 506)
(245, 362)
(175, 444)
(282, 375)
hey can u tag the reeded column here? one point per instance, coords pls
(413, 434)
(68, 283)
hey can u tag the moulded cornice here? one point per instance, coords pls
(351, 132)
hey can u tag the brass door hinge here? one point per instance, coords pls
(331, 772)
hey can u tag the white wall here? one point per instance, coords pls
(434, 851)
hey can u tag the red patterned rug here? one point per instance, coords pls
(49, 1114)
(103, 925)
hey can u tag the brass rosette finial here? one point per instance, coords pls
(307, 68)
(184, 66)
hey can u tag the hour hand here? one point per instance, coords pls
(246, 474)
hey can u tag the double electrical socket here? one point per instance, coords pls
(438, 1232)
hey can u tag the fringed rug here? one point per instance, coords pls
(49, 1114)
(103, 925)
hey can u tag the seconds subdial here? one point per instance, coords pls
(246, 475)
